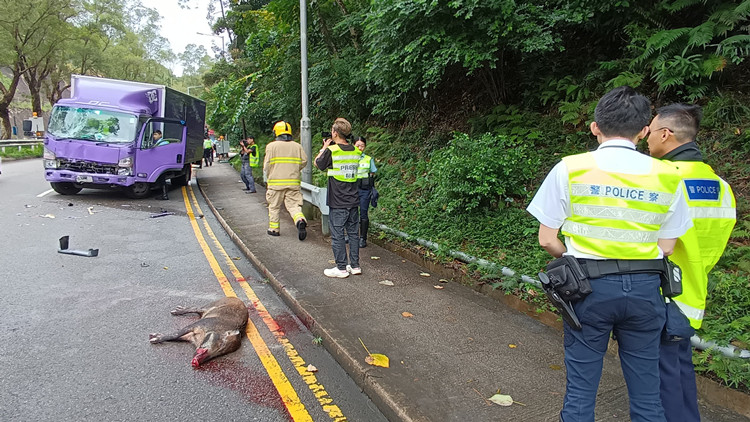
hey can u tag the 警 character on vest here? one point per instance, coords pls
(617, 209)
(282, 166)
(713, 210)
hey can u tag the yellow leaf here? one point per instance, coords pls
(512, 346)
(555, 367)
(376, 359)
(424, 274)
(236, 258)
(442, 280)
(439, 287)
(166, 268)
(374, 257)
(407, 314)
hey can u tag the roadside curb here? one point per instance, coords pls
(385, 402)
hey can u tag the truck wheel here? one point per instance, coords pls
(138, 190)
(65, 188)
(183, 180)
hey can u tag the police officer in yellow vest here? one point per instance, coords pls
(341, 160)
(366, 182)
(249, 159)
(282, 167)
(712, 207)
(208, 151)
(617, 210)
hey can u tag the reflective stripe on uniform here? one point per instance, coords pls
(608, 233)
(623, 214)
(282, 182)
(689, 311)
(713, 212)
(292, 160)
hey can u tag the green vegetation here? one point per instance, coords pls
(467, 105)
(32, 151)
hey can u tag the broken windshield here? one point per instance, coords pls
(93, 125)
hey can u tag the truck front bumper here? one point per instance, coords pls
(65, 176)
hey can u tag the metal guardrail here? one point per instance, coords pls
(317, 197)
(19, 143)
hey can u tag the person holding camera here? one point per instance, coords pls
(282, 167)
(341, 161)
(249, 159)
(713, 208)
(620, 213)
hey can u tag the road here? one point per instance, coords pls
(74, 330)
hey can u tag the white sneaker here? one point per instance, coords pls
(353, 271)
(335, 272)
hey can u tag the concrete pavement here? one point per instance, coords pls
(457, 348)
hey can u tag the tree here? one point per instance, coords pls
(27, 42)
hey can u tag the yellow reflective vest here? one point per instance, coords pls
(345, 164)
(713, 210)
(615, 215)
(363, 171)
(253, 160)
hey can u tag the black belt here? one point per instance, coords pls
(600, 267)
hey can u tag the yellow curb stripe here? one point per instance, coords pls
(325, 400)
(287, 393)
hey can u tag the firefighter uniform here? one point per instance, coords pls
(283, 163)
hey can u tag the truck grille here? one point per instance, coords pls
(87, 167)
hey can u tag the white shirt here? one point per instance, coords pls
(551, 204)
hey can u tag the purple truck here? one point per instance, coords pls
(113, 134)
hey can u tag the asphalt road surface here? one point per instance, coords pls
(74, 330)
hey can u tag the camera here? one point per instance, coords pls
(326, 135)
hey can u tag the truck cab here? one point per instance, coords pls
(122, 135)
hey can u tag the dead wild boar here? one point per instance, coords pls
(218, 332)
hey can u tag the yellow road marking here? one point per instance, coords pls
(325, 400)
(288, 395)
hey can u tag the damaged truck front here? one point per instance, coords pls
(113, 134)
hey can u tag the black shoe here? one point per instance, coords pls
(246, 189)
(253, 191)
(362, 243)
(273, 233)
(301, 229)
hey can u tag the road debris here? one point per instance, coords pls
(424, 274)
(64, 243)
(161, 214)
(386, 283)
(407, 314)
(311, 368)
(375, 257)
(48, 216)
(438, 287)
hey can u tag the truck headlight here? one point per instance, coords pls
(125, 162)
(124, 171)
(50, 164)
(49, 154)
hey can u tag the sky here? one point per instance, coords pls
(180, 26)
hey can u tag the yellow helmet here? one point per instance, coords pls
(282, 128)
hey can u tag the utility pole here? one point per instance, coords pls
(305, 136)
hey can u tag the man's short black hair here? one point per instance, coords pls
(682, 119)
(157, 131)
(622, 112)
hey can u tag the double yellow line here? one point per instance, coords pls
(288, 394)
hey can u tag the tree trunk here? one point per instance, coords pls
(7, 96)
(352, 32)
(324, 29)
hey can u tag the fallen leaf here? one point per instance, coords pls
(439, 287)
(330, 261)
(556, 367)
(166, 268)
(386, 283)
(403, 260)
(424, 274)
(311, 368)
(236, 258)
(374, 257)
(407, 314)
(47, 216)
(442, 280)
(91, 210)
(502, 399)
(512, 346)
(377, 359)
(144, 265)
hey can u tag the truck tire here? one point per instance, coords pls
(138, 190)
(184, 179)
(65, 188)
